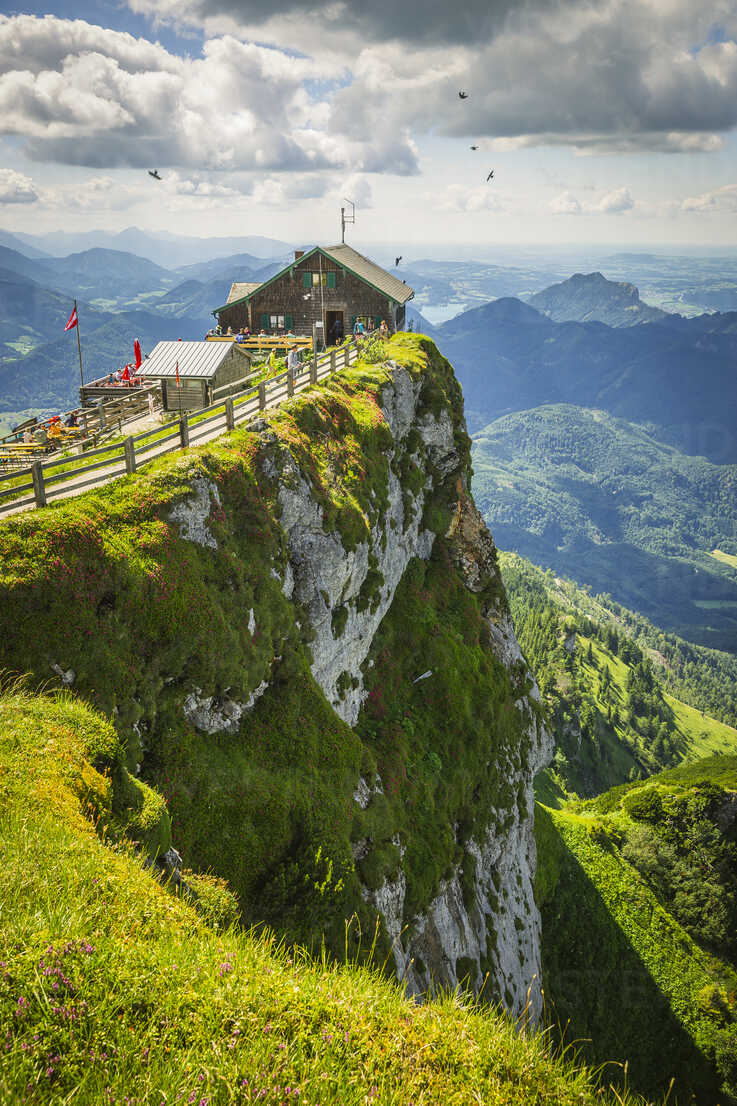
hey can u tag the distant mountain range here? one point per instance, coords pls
(591, 297)
(167, 250)
(677, 373)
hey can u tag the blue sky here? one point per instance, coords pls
(605, 122)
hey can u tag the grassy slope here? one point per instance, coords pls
(704, 678)
(696, 674)
(696, 734)
(620, 972)
(114, 990)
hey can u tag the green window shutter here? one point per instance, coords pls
(306, 280)
(353, 322)
(377, 321)
(265, 322)
(331, 278)
(288, 322)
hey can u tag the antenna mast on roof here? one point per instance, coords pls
(344, 219)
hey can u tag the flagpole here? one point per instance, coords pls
(79, 347)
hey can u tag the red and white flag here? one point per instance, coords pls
(73, 319)
(137, 353)
(176, 370)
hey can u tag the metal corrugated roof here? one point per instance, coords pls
(238, 291)
(370, 271)
(197, 360)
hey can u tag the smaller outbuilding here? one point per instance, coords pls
(201, 367)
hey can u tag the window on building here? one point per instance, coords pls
(314, 280)
(276, 322)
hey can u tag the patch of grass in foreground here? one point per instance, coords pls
(113, 990)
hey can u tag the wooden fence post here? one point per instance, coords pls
(229, 414)
(129, 450)
(39, 489)
(184, 431)
(102, 416)
(333, 360)
(262, 395)
(313, 365)
(290, 382)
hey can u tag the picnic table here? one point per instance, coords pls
(21, 454)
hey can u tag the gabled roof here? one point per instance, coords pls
(351, 259)
(239, 290)
(197, 360)
(368, 270)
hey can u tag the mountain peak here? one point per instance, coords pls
(588, 297)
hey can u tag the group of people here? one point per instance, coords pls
(124, 378)
(52, 431)
(361, 330)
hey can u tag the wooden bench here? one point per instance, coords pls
(20, 454)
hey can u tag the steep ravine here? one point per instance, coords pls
(302, 636)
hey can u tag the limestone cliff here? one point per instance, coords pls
(302, 636)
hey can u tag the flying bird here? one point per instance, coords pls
(490, 176)
(397, 260)
(154, 173)
(474, 147)
(463, 95)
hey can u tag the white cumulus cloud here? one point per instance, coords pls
(84, 95)
(15, 188)
(718, 200)
(611, 203)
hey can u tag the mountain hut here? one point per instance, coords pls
(330, 286)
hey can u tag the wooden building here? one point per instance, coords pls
(202, 367)
(328, 285)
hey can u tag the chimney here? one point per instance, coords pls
(298, 254)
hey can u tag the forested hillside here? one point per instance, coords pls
(617, 704)
(607, 503)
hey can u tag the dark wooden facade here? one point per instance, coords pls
(314, 289)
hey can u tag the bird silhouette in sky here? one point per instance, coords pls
(474, 147)
(463, 95)
(154, 173)
(490, 176)
(397, 260)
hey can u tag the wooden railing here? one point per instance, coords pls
(46, 481)
(91, 421)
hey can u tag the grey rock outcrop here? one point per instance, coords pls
(192, 514)
(325, 577)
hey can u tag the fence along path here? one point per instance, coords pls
(45, 482)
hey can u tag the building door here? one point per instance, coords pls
(334, 327)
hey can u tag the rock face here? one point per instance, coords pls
(500, 926)
(327, 578)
